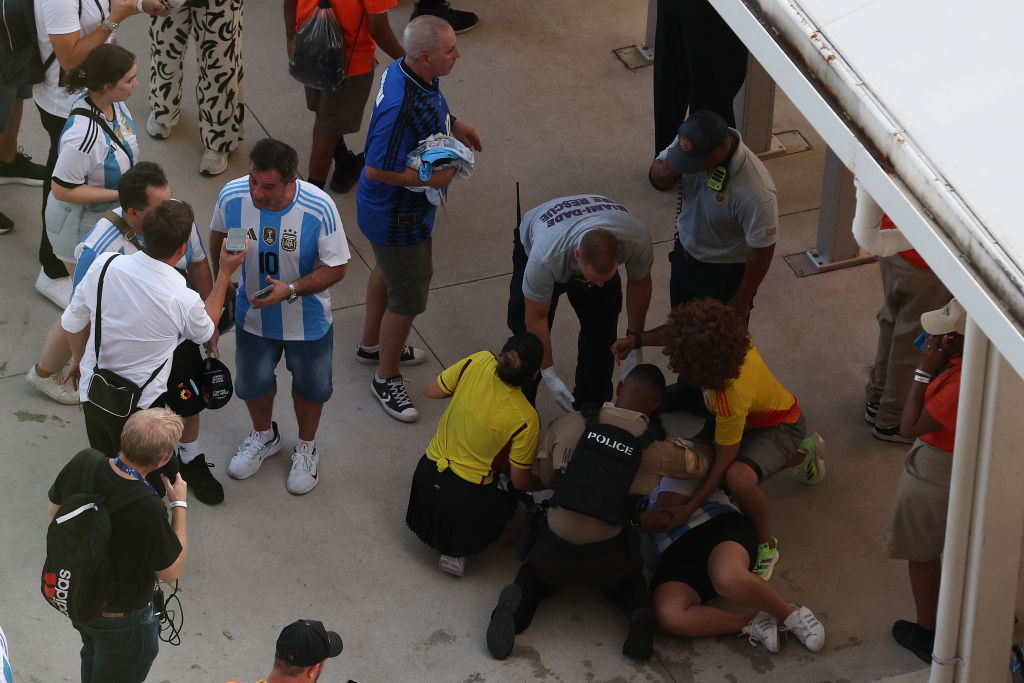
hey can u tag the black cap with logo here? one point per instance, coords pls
(305, 643)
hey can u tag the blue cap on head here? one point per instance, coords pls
(698, 136)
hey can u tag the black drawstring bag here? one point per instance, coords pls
(318, 51)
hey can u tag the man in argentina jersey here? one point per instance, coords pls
(297, 249)
(397, 221)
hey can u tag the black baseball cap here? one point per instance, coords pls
(699, 135)
(305, 643)
(215, 383)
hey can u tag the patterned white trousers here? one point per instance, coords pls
(217, 31)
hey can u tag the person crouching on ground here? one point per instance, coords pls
(456, 505)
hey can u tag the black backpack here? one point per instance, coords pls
(604, 463)
(76, 576)
(20, 62)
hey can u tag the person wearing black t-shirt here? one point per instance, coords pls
(120, 644)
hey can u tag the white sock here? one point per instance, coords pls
(188, 451)
(371, 349)
(305, 446)
(265, 436)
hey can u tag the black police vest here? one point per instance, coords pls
(604, 463)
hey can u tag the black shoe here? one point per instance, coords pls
(890, 434)
(197, 475)
(22, 170)
(394, 398)
(501, 632)
(870, 412)
(345, 177)
(6, 224)
(460, 21)
(916, 638)
(640, 639)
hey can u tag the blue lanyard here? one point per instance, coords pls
(128, 470)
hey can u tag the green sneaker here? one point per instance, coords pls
(767, 557)
(812, 469)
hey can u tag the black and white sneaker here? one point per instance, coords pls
(890, 434)
(394, 398)
(200, 480)
(410, 355)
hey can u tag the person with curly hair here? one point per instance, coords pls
(759, 427)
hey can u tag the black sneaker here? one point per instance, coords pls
(870, 412)
(346, 176)
(915, 638)
(22, 170)
(890, 434)
(197, 475)
(640, 639)
(6, 224)
(460, 21)
(394, 398)
(501, 632)
(410, 355)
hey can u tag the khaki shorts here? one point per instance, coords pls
(67, 224)
(917, 530)
(340, 113)
(406, 271)
(767, 450)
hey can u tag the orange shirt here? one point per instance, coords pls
(941, 399)
(353, 16)
(909, 255)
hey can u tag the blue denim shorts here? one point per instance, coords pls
(310, 363)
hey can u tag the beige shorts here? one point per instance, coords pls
(918, 528)
(340, 113)
(767, 450)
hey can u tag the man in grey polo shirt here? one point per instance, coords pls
(729, 217)
(574, 245)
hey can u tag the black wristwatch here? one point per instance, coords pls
(638, 341)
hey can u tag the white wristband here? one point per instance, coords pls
(138, 6)
(178, 504)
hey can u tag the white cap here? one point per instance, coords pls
(950, 318)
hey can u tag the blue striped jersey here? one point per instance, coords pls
(717, 503)
(285, 245)
(106, 237)
(88, 156)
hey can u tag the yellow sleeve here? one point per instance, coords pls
(524, 445)
(449, 378)
(730, 408)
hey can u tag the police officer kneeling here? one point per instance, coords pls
(600, 462)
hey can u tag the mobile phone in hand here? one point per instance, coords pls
(263, 292)
(236, 240)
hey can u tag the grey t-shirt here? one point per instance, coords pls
(552, 231)
(724, 227)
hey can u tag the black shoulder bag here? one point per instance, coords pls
(108, 390)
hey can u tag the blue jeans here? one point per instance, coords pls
(310, 363)
(119, 649)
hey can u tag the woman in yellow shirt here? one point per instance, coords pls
(456, 505)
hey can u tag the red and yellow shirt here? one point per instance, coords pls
(753, 400)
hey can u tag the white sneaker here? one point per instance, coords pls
(213, 163)
(54, 387)
(763, 630)
(452, 565)
(57, 290)
(251, 454)
(806, 627)
(156, 130)
(303, 475)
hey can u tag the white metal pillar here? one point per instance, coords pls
(977, 613)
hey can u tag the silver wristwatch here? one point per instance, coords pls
(294, 295)
(112, 25)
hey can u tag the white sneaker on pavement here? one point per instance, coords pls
(213, 163)
(453, 565)
(303, 475)
(251, 454)
(57, 290)
(763, 630)
(156, 130)
(54, 387)
(805, 626)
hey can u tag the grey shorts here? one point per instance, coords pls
(917, 530)
(9, 94)
(340, 113)
(767, 450)
(67, 224)
(407, 272)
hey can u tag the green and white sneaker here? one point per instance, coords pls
(812, 469)
(767, 558)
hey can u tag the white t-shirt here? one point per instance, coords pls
(88, 156)
(58, 17)
(285, 245)
(147, 310)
